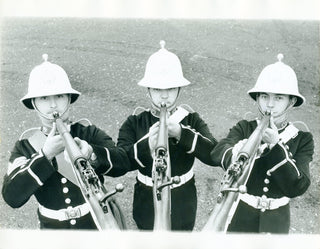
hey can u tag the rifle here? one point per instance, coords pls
(93, 191)
(161, 176)
(234, 180)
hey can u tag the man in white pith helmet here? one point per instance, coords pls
(282, 170)
(37, 164)
(189, 138)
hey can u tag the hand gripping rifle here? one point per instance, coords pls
(234, 180)
(161, 176)
(93, 191)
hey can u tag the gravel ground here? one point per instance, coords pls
(105, 58)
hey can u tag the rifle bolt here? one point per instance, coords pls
(242, 189)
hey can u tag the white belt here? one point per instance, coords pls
(66, 213)
(183, 179)
(263, 203)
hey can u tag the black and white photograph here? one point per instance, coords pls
(159, 124)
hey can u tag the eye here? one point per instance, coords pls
(60, 96)
(279, 97)
(263, 96)
(44, 98)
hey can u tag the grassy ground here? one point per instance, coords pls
(105, 59)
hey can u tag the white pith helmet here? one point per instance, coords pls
(48, 79)
(277, 78)
(163, 70)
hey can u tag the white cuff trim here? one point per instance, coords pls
(23, 168)
(284, 161)
(19, 162)
(109, 160)
(195, 139)
(223, 157)
(135, 150)
(35, 177)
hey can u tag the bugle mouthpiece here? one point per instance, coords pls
(163, 104)
(55, 114)
(267, 113)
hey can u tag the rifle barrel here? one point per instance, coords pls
(222, 212)
(91, 188)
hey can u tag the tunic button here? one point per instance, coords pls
(265, 189)
(63, 180)
(65, 190)
(73, 222)
(266, 181)
(287, 147)
(68, 200)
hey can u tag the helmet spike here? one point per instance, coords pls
(162, 43)
(45, 57)
(280, 57)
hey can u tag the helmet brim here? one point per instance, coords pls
(26, 100)
(300, 99)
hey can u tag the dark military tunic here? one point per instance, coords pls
(196, 142)
(282, 171)
(30, 173)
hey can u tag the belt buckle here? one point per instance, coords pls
(72, 213)
(263, 203)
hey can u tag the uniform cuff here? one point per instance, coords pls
(142, 153)
(103, 162)
(188, 139)
(41, 168)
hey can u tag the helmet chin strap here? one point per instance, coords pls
(46, 116)
(157, 108)
(282, 114)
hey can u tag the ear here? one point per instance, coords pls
(293, 100)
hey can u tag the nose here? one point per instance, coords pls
(271, 102)
(164, 94)
(53, 103)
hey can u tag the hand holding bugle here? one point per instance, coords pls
(235, 178)
(161, 176)
(93, 191)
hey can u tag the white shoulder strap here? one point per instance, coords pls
(179, 115)
(83, 121)
(139, 109)
(37, 141)
(187, 107)
(289, 132)
(301, 126)
(25, 133)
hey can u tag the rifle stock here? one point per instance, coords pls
(93, 191)
(161, 176)
(234, 180)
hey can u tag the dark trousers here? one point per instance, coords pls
(183, 206)
(250, 220)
